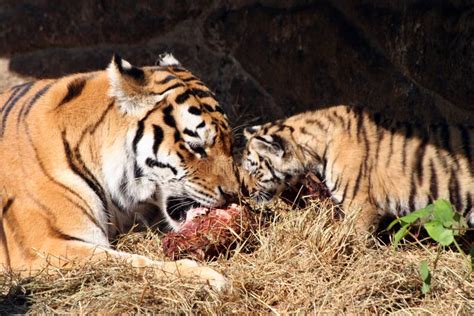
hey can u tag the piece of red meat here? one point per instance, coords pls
(207, 233)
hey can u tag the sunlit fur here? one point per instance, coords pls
(82, 156)
(378, 165)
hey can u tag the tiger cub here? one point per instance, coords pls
(381, 166)
(82, 155)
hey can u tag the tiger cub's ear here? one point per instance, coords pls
(251, 131)
(128, 87)
(268, 145)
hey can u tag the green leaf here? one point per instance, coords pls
(425, 288)
(425, 277)
(443, 212)
(418, 214)
(439, 233)
(424, 270)
(402, 232)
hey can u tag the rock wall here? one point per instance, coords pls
(266, 59)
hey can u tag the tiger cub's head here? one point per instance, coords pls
(271, 161)
(179, 147)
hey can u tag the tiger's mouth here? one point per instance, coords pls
(178, 207)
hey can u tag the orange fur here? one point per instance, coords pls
(380, 166)
(64, 141)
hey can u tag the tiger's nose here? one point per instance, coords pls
(228, 195)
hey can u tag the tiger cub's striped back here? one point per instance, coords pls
(382, 166)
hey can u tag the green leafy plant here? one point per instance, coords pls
(442, 224)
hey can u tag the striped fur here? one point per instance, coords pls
(382, 166)
(83, 155)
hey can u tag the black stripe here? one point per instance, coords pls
(137, 171)
(411, 199)
(168, 117)
(177, 69)
(50, 178)
(344, 192)
(138, 135)
(418, 159)
(406, 140)
(200, 93)
(190, 133)
(201, 125)
(13, 94)
(165, 80)
(181, 158)
(59, 234)
(445, 136)
(325, 161)
(25, 110)
(340, 118)
(199, 150)
(155, 163)
(380, 136)
(141, 129)
(3, 212)
(433, 182)
(181, 98)
(176, 85)
(74, 89)
(466, 143)
(9, 106)
(468, 203)
(260, 138)
(357, 183)
(88, 215)
(360, 121)
(194, 110)
(158, 137)
(454, 194)
(191, 79)
(72, 159)
(336, 184)
(316, 122)
(220, 110)
(270, 168)
(177, 136)
(7, 206)
(207, 107)
(390, 153)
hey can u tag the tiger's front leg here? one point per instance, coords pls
(65, 244)
(78, 252)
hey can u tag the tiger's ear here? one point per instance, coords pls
(268, 145)
(251, 131)
(128, 86)
(167, 59)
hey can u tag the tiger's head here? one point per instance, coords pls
(178, 146)
(271, 160)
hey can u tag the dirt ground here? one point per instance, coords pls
(303, 261)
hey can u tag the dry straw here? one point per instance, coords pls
(306, 261)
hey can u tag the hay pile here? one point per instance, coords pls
(305, 262)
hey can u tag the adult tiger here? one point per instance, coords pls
(82, 155)
(381, 166)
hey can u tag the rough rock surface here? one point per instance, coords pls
(267, 59)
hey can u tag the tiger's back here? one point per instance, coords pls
(382, 166)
